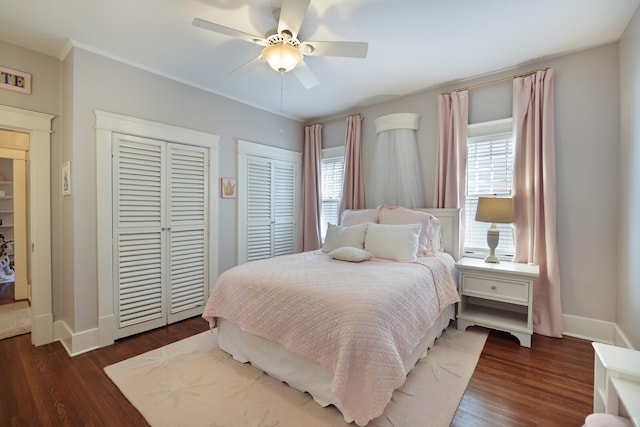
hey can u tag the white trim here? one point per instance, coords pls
(329, 153)
(594, 330)
(38, 125)
(106, 124)
(494, 127)
(75, 343)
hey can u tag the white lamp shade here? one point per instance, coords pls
(281, 57)
(495, 210)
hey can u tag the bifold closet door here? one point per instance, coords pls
(188, 233)
(160, 233)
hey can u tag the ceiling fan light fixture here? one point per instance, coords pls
(282, 57)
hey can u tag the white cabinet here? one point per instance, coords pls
(616, 385)
(497, 296)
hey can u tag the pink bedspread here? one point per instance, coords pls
(359, 320)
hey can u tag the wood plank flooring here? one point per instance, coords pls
(550, 384)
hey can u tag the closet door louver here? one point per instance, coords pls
(188, 202)
(139, 238)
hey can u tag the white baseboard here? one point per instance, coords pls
(42, 330)
(594, 330)
(75, 342)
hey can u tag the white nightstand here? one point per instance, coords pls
(497, 296)
(616, 381)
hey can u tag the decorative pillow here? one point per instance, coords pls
(393, 241)
(354, 217)
(349, 253)
(402, 215)
(338, 236)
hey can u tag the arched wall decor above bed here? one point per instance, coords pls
(397, 177)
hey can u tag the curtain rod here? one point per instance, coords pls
(335, 119)
(495, 81)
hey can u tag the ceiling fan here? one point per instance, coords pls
(283, 51)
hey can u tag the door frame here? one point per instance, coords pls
(38, 126)
(106, 125)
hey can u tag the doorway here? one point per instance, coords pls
(38, 221)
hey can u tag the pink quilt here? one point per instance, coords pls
(359, 320)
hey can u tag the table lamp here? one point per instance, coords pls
(496, 210)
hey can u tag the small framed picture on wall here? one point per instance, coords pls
(228, 188)
(66, 178)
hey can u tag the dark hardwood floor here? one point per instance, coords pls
(550, 384)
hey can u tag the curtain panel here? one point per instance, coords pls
(534, 194)
(451, 164)
(353, 181)
(312, 198)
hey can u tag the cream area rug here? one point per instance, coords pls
(15, 319)
(193, 383)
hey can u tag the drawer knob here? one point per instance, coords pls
(493, 287)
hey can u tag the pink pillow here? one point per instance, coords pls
(402, 215)
(355, 217)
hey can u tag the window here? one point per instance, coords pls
(332, 172)
(490, 149)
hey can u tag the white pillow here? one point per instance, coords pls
(338, 237)
(349, 253)
(354, 217)
(393, 241)
(402, 215)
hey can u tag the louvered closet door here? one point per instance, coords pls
(188, 219)
(161, 207)
(284, 208)
(139, 236)
(259, 209)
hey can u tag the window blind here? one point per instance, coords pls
(332, 172)
(489, 173)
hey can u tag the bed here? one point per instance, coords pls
(347, 333)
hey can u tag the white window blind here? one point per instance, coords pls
(489, 172)
(332, 174)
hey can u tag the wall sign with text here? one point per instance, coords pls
(15, 80)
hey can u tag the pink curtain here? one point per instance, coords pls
(534, 195)
(312, 203)
(353, 182)
(451, 163)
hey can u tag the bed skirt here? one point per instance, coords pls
(299, 372)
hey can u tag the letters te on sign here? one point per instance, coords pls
(15, 80)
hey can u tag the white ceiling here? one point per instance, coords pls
(413, 44)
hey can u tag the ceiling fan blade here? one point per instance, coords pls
(291, 16)
(221, 29)
(247, 66)
(347, 49)
(304, 74)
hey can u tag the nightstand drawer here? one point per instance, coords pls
(496, 289)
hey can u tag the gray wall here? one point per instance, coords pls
(628, 295)
(103, 84)
(587, 149)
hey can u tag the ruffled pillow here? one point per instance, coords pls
(349, 253)
(359, 216)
